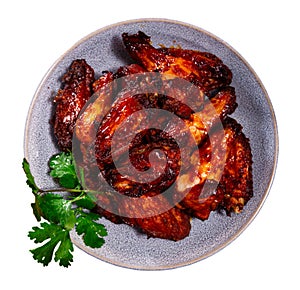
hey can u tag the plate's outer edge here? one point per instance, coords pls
(124, 246)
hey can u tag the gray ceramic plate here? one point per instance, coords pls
(103, 50)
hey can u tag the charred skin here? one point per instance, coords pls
(212, 73)
(202, 69)
(76, 90)
(237, 181)
(217, 108)
(140, 49)
(227, 187)
(172, 224)
(198, 125)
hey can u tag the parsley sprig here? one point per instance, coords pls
(62, 214)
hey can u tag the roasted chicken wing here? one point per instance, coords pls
(226, 184)
(76, 90)
(219, 174)
(201, 68)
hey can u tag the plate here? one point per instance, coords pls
(104, 50)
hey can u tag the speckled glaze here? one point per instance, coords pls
(103, 50)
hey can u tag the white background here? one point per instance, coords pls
(266, 33)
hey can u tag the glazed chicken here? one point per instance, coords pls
(225, 185)
(203, 69)
(70, 99)
(218, 174)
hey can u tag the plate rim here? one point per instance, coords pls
(266, 96)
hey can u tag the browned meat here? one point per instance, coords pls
(103, 80)
(211, 71)
(172, 224)
(148, 140)
(223, 175)
(227, 185)
(237, 181)
(203, 69)
(76, 90)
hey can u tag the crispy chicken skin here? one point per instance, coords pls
(173, 224)
(223, 103)
(202, 69)
(148, 140)
(76, 90)
(211, 72)
(228, 185)
(236, 180)
(223, 174)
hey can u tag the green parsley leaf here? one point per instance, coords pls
(62, 168)
(92, 231)
(54, 235)
(30, 179)
(63, 253)
(88, 201)
(54, 208)
(63, 213)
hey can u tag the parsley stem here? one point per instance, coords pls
(61, 190)
(70, 190)
(79, 197)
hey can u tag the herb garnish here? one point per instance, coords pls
(62, 214)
